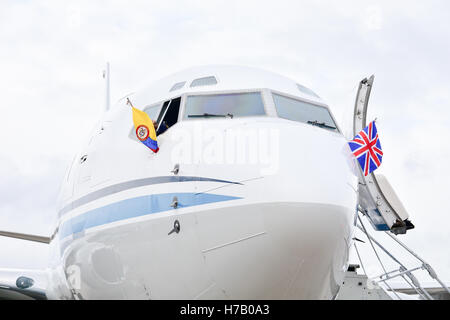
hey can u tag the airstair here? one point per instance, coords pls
(379, 204)
(388, 280)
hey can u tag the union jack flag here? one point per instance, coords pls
(366, 148)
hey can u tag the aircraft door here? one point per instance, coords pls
(376, 197)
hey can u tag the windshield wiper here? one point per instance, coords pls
(206, 115)
(321, 124)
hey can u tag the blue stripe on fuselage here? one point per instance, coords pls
(136, 207)
(115, 188)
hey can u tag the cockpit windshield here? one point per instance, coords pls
(301, 111)
(224, 105)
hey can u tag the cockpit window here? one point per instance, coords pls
(152, 111)
(307, 90)
(224, 105)
(177, 86)
(205, 81)
(301, 111)
(168, 115)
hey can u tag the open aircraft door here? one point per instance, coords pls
(376, 198)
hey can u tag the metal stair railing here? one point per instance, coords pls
(402, 272)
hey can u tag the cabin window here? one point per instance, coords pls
(301, 111)
(224, 105)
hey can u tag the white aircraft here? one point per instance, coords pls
(253, 194)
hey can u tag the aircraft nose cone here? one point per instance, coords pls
(315, 166)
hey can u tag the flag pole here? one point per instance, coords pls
(129, 102)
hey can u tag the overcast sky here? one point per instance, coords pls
(52, 54)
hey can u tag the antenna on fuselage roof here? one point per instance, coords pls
(107, 94)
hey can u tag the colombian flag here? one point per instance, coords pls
(145, 131)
